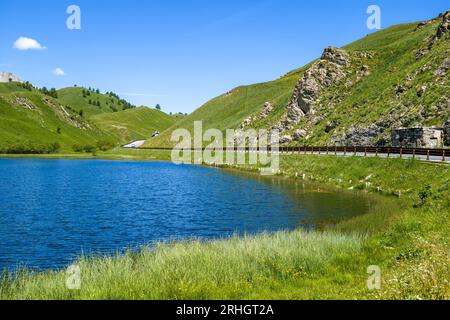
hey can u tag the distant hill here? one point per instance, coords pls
(32, 121)
(89, 101)
(397, 77)
(133, 124)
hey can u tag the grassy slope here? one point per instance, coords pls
(19, 125)
(133, 124)
(74, 98)
(228, 110)
(407, 237)
(374, 98)
(37, 127)
(361, 104)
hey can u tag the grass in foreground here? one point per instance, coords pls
(269, 266)
(409, 241)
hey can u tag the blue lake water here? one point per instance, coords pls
(52, 211)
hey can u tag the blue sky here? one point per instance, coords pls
(181, 53)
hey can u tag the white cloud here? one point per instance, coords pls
(59, 72)
(24, 43)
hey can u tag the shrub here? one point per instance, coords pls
(28, 147)
(105, 145)
(85, 148)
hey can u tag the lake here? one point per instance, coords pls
(52, 211)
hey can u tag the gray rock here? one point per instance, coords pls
(286, 139)
(421, 53)
(445, 66)
(268, 108)
(446, 128)
(331, 125)
(359, 136)
(422, 25)
(299, 134)
(336, 55)
(364, 55)
(320, 75)
(421, 90)
(444, 27)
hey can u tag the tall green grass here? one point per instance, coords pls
(236, 268)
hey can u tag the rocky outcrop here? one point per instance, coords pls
(71, 118)
(267, 109)
(335, 55)
(358, 136)
(24, 102)
(421, 53)
(444, 27)
(422, 25)
(299, 134)
(286, 139)
(444, 67)
(328, 71)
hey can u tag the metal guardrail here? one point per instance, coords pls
(346, 150)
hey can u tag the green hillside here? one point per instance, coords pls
(133, 124)
(397, 77)
(83, 99)
(228, 110)
(33, 122)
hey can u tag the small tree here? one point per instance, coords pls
(158, 107)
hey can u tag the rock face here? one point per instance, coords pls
(22, 102)
(358, 136)
(328, 71)
(444, 27)
(300, 133)
(442, 70)
(335, 55)
(267, 109)
(8, 77)
(446, 128)
(418, 138)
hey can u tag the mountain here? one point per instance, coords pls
(40, 121)
(397, 77)
(133, 124)
(31, 122)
